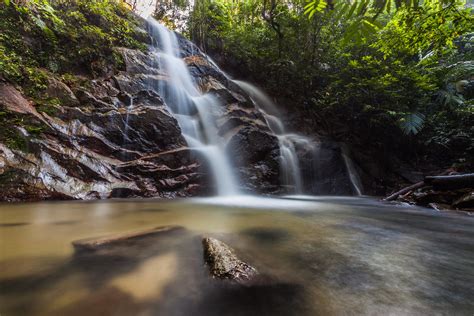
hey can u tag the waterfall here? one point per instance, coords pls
(288, 142)
(353, 175)
(193, 110)
(197, 115)
(127, 118)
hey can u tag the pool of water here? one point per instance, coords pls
(319, 256)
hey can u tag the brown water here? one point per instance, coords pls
(329, 256)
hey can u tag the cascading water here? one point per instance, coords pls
(127, 118)
(193, 110)
(353, 175)
(289, 163)
(289, 142)
(197, 116)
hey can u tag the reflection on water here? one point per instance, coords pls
(321, 256)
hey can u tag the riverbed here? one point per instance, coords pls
(319, 255)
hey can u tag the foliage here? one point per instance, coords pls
(62, 35)
(12, 136)
(428, 28)
(381, 73)
(57, 38)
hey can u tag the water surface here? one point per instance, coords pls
(320, 256)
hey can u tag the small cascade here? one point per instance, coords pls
(291, 174)
(289, 163)
(353, 175)
(127, 118)
(193, 110)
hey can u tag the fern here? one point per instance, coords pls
(412, 123)
(315, 6)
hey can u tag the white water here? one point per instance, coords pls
(196, 114)
(289, 163)
(127, 118)
(193, 110)
(353, 175)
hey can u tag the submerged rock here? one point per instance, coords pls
(93, 244)
(224, 263)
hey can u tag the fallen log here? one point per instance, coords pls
(403, 191)
(451, 182)
(92, 244)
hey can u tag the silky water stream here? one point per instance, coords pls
(322, 256)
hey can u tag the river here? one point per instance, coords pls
(322, 256)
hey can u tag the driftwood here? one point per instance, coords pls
(442, 181)
(92, 244)
(451, 182)
(403, 191)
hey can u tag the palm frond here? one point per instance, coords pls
(412, 123)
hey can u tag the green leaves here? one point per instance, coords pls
(314, 7)
(429, 27)
(412, 123)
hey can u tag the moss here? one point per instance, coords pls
(74, 40)
(7, 177)
(119, 60)
(10, 133)
(74, 36)
(75, 81)
(47, 105)
(13, 139)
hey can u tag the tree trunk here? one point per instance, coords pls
(451, 182)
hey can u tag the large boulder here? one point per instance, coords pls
(325, 171)
(256, 155)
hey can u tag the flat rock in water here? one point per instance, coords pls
(224, 264)
(92, 244)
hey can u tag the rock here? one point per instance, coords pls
(465, 201)
(87, 99)
(138, 62)
(19, 186)
(93, 244)
(250, 145)
(255, 153)
(326, 172)
(224, 264)
(439, 207)
(59, 90)
(13, 100)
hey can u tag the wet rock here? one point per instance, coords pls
(325, 170)
(19, 186)
(93, 244)
(13, 100)
(59, 90)
(465, 201)
(138, 62)
(224, 264)
(256, 154)
(439, 207)
(250, 145)
(87, 99)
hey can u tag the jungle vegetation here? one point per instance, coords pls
(394, 76)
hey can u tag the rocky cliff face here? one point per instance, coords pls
(115, 137)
